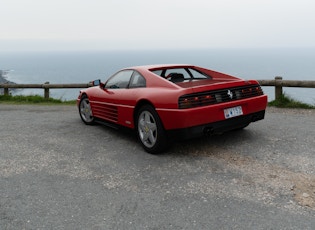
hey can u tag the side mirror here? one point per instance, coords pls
(96, 82)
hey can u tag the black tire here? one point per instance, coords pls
(85, 111)
(150, 130)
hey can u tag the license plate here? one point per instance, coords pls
(233, 112)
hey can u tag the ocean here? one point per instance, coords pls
(84, 66)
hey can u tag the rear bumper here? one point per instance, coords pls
(216, 127)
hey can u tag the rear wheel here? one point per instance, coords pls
(86, 111)
(150, 130)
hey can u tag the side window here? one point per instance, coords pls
(137, 80)
(120, 80)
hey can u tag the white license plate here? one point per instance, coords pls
(233, 112)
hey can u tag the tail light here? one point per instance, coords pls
(218, 96)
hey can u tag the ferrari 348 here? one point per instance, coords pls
(168, 102)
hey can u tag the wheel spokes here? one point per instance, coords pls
(147, 129)
(85, 110)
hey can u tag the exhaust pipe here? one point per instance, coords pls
(208, 131)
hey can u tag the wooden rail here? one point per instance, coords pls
(46, 86)
(278, 83)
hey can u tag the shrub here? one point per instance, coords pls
(287, 102)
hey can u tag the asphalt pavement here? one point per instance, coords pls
(57, 173)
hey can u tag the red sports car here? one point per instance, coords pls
(167, 102)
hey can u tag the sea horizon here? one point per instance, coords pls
(59, 67)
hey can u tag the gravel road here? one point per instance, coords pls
(57, 173)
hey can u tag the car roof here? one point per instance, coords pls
(159, 66)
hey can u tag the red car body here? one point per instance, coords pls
(186, 106)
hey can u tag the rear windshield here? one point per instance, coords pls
(181, 74)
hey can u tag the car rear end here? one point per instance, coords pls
(215, 108)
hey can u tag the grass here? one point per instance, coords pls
(284, 102)
(32, 99)
(287, 102)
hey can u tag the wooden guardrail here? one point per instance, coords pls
(278, 83)
(46, 86)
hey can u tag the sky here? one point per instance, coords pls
(155, 24)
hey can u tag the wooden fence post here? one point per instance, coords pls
(46, 90)
(6, 91)
(278, 87)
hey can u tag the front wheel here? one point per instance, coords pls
(150, 130)
(86, 111)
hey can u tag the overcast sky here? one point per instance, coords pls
(151, 24)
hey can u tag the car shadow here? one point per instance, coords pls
(120, 132)
(202, 146)
(209, 145)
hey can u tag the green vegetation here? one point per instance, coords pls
(287, 102)
(284, 102)
(32, 99)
